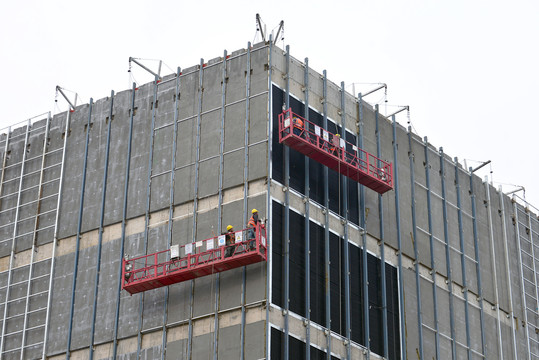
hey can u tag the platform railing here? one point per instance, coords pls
(293, 125)
(209, 252)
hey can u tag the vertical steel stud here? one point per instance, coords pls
(448, 258)
(344, 180)
(307, 228)
(286, 232)
(399, 246)
(79, 227)
(101, 225)
(124, 220)
(414, 240)
(478, 266)
(431, 243)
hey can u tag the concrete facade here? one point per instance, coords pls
(176, 160)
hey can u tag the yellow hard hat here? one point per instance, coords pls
(338, 135)
(254, 211)
(229, 227)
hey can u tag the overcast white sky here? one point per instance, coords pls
(467, 69)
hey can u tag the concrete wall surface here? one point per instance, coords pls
(169, 162)
(452, 260)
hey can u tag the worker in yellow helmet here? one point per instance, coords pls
(335, 144)
(252, 228)
(230, 237)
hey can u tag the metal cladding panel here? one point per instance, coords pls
(186, 142)
(412, 341)
(209, 178)
(184, 184)
(235, 126)
(178, 302)
(165, 102)
(162, 150)
(258, 118)
(259, 75)
(154, 300)
(475, 328)
(487, 278)
(204, 295)
(206, 225)
(129, 305)
(229, 342)
(501, 265)
(117, 158)
(210, 134)
(59, 312)
(84, 296)
(258, 166)
(429, 344)
(140, 146)
(176, 349)
(471, 275)
(202, 346)
(460, 319)
(254, 346)
(236, 72)
(96, 165)
(232, 162)
(507, 343)
(422, 236)
(427, 303)
(160, 192)
(491, 337)
(108, 283)
(212, 78)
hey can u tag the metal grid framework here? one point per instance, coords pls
(335, 153)
(161, 269)
(527, 239)
(38, 174)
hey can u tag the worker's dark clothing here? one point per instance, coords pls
(251, 235)
(230, 240)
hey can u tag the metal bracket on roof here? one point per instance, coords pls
(71, 105)
(158, 74)
(261, 26)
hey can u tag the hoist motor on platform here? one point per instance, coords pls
(193, 260)
(334, 152)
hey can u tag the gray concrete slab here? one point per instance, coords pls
(108, 283)
(84, 298)
(236, 72)
(160, 191)
(154, 300)
(234, 126)
(232, 162)
(202, 348)
(229, 342)
(129, 305)
(209, 177)
(212, 92)
(184, 184)
(59, 317)
(210, 133)
(258, 167)
(176, 349)
(259, 65)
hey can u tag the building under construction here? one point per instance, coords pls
(372, 242)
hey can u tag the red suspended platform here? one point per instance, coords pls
(185, 263)
(334, 152)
